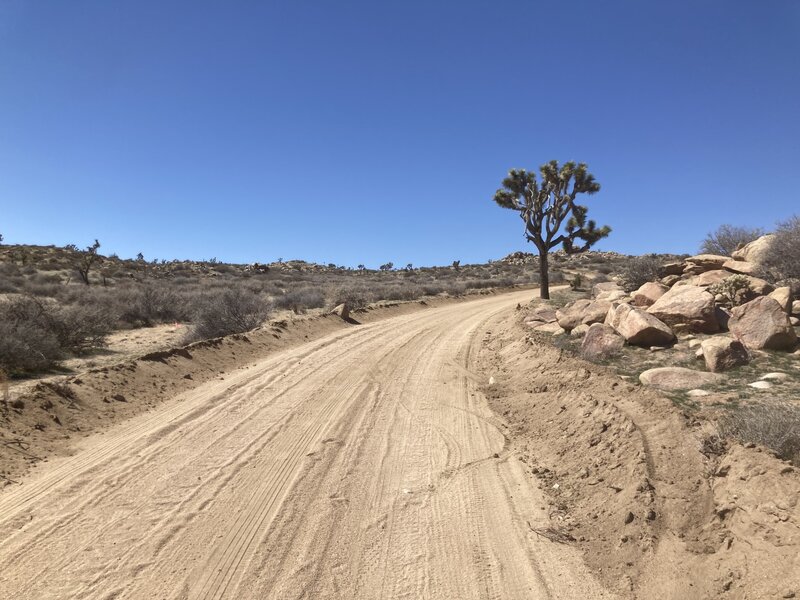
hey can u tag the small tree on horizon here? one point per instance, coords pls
(86, 259)
(549, 211)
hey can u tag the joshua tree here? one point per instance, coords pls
(86, 260)
(549, 211)
(387, 267)
(456, 264)
(409, 267)
(361, 267)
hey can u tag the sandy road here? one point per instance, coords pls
(365, 464)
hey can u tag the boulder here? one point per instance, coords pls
(579, 330)
(796, 308)
(783, 296)
(794, 321)
(670, 280)
(606, 286)
(552, 328)
(704, 262)
(674, 268)
(722, 353)
(755, 251)
(542, 313)
(710, 278)
(571, 315)
(759, 286)
(762, 324)
(689, 306)
(678, 378)
(648, 293)
(601, 342)
(343, 310)
(596, 312)
(741, 266)
(613, 296)
(638, 327)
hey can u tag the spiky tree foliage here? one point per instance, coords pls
(87, 258)
(548, 208)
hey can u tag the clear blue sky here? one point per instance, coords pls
(371, 131)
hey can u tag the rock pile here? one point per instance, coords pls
(684, 302)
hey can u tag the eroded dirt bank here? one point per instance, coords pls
(657, 506)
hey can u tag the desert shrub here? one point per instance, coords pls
(34, 334)
(638, 270)
(152, 303)
(234, 310)
(25, 346)
(729, 238)
(355, 296)
(782, 260)
(576, 282)
(774, 425)
(736, 289)
(300, 299)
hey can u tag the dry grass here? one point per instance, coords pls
(772, 424)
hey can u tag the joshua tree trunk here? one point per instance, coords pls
(544, 276)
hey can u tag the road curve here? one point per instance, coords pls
(365, 464)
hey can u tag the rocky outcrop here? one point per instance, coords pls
(571, 315)
(687, 307)
(582, 312)
(638, 327)
(722, 353)
(755, 251)
(648, 293)
(783, 296)
(605, 288)
(741, 266)
(601, 342)
(710, 278)
(678, 378)
(762, 324)
(704, 262)
(543, 314)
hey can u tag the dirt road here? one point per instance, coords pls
(365, 464)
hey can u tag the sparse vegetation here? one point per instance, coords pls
(235, 310)
(545, 205)
(85, 261)
(774, 425)
(782, 260)
(735, 289)
(638, 270)
(729, 238)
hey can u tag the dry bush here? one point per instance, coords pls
(152, 303)
(773, 425)
(234, 310)
(782, 262)
(301, 299)
(26, 347)
(729, 238)
(637, 271)
(34, 334)
(355, 296)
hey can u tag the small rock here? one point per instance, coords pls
(629, 518)
(760, 385)
(775, 377)
(698, 393)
